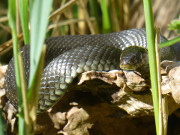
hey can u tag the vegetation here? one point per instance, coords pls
(67, 17)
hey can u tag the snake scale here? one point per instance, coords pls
(68, 56)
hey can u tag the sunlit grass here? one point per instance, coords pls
(40, 11)
(23, 10)
(105, 17)
(2, 123)
(12, 23)
(152, 58)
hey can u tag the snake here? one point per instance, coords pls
(69, 56)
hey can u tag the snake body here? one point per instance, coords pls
(68, 56)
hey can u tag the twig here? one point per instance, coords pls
(6, 28)
(3, 19)
(56, 20)
(70, 16)
(62, 8)
(5, 47)
(86, 15)
(66, 22)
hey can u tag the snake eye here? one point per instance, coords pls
(138, 56)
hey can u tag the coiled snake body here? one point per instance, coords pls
(68, 56)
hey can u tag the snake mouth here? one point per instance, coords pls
(128, 67)
(131, 65)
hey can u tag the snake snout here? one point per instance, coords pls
(127, 63)
(132, 58)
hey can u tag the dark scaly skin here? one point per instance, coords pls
(68, 56)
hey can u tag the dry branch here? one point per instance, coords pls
(102, 101)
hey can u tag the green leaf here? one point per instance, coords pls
(12, 23)
(94, 10)
(2, 124)
(175, 25)
(39, 20)
(12, 15)
(152, 58)
(105, 16)
(23, 10)
(169, 42)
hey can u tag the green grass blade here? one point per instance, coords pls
(31, 3)
(2, 124)
(39, 20)
(12, 23)
(23, 10)
(94, 6)
(169, 42)
(35, 88)
(105, 16)
(24, 95)
(152, 58)
(39, 15)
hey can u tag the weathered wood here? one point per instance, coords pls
(100, 99)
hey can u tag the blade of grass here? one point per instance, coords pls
(175, 25)
(161, 112)
(169, 42)
(24, 95)
(94, 10)
(23, 10)
(152, 58)
(66, 22)
(105, 16)
(114, 17)
(34, 97)
(38, 75)
(163, 105)
(39, 19)
(62, 8)
(12, 23)
(2, 124)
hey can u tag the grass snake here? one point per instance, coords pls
(68, 56)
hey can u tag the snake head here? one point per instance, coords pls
(134, 58)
